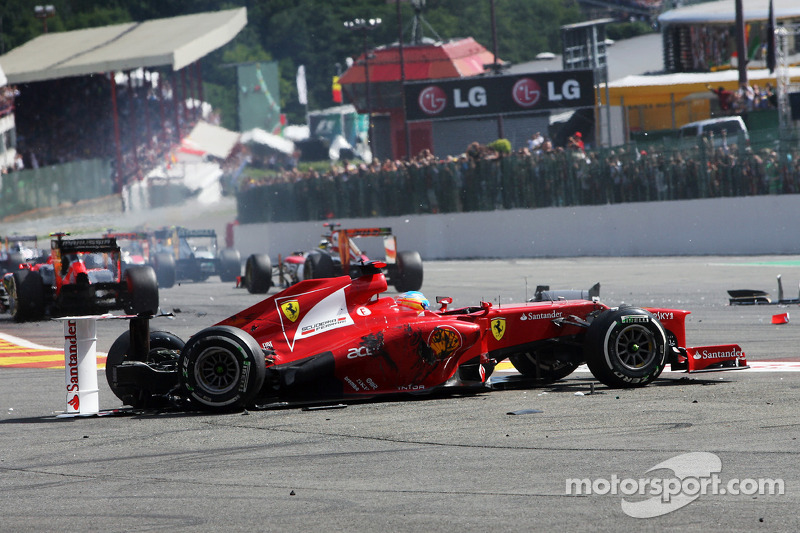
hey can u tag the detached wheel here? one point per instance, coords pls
(164, 349)
(318, 265)
(164, 265)
(408, 273)
(142, 290)
(222, 368)
(625, 347)
(230, 264)
(258, 274)
(26, 295)
(547, 365)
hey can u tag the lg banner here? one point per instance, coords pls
(525, 93)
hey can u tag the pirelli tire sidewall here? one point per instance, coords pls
(241, 368)
(621, 364)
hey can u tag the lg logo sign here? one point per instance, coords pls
(432, 100)
(526, 93)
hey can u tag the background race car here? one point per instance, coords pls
(81, 276)
(180, 254)
(18, 250)
(134, 247)
(338, 254)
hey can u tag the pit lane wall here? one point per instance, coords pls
(720, 226)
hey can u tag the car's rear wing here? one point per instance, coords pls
(71, 246)
(187, 233)
(20, 238)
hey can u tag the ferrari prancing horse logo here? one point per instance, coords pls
(291, 309)
(498, 328)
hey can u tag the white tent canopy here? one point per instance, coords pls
(262, 137)
(213, 140)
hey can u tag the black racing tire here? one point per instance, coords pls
(221, 368)
(408, 272)
(547, 364)
(258, 274)
(164, 265)
(318, 265)
(15, 259)
(164, 347)
(625, 347)
(141, 294)
(230, 265)
(26, 295)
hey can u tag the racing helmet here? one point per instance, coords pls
(414, 300)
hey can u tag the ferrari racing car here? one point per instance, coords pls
(338, 254)
(81, 276)
(338, 338)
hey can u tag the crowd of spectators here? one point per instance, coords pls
(547, 176)
(746, 98)
(69, 119)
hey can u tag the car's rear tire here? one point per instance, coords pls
(221, 368)
(142, 290)
(408, 272)
(15, 259)
(318, 265)
(164, 265)
(26, 295)
(164, 347)
(230, 265)
(547, 364)
(625, 347)
(258, 274)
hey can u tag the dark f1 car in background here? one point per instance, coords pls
(336, 338)
(337, 255)
(19, 250)
(82, 276)
(179, 254)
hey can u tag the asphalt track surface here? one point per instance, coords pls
(457, 463)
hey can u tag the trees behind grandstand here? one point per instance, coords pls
(307, 32)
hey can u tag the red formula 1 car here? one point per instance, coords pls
(337, 254)
(334, 339)
(80, 276)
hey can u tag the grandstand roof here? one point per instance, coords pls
(724, 11)
(174, 42)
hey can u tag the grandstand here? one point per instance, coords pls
(112, 99)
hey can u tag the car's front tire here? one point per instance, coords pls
(626, 347)
(221, 368)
